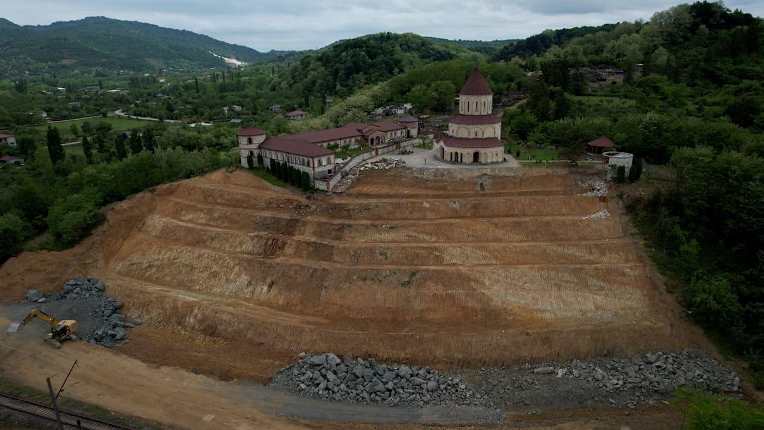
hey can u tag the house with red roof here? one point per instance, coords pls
(474, 134)
(600, 145)
(295, 115)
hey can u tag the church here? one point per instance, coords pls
(474, 134)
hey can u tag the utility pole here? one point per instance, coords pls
(55, 405)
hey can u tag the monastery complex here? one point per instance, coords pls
(473, 137)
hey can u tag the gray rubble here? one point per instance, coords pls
(98, 316)
(383, 163)
(596, 187)
(328, 377)
(629, 382)
(624, 382)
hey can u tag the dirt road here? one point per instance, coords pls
(119, 383)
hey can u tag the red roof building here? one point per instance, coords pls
(291, 145)
(600, 145)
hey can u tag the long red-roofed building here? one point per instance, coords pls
(311, 151)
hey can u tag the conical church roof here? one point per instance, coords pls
(476, 85)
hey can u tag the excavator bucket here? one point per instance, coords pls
(14, 327)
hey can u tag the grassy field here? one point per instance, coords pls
(529, 152)
(117, 124)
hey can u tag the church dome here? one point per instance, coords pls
(476, 85)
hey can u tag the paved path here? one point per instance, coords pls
(425, 158)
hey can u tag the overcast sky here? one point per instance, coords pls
(306, 24)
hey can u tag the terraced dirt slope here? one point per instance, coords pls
(233, 276)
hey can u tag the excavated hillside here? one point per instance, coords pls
(233, 277)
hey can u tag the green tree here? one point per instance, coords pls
(12, 234)
(55, 150)
(444, 93)
(27, 147)
(522, 123)
(119, 146)
(744, 111)
(87, 149)
(72, 217)
(135, 142)
(103, 129)
(539, 101)
(87, 128)
(74, 129)
(149, 140)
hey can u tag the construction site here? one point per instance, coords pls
(520, 288)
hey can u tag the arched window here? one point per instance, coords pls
(249, 141)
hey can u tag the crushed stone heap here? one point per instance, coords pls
(98, 316)
(328, 377)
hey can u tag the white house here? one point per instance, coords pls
(7, 139)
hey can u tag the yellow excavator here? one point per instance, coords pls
(60, 330)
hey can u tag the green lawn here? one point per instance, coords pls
(74, 150)
(117, 124)
(530, 152)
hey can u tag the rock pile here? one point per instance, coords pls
(598, 215)
(624, 382)
(597, 187)
(328, 377)
(383, 164)
(660, 372)
(84, 299)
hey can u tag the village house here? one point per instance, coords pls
(7, 139)
(474, 134)
(295, 115)
(9, 160)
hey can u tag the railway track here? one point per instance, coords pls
(45, 412)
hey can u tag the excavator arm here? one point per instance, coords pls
(36, 313)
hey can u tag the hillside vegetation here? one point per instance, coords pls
(104, 43)
(345, 66)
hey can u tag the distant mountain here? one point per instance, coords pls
(99, 42)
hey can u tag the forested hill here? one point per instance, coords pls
(345, 66)
(111, 44)
(539, 43)
(488, 47)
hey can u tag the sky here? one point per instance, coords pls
(309, 24)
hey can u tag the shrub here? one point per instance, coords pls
(708, 412)
(71, 218)
(12, 234)
(712, 301)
